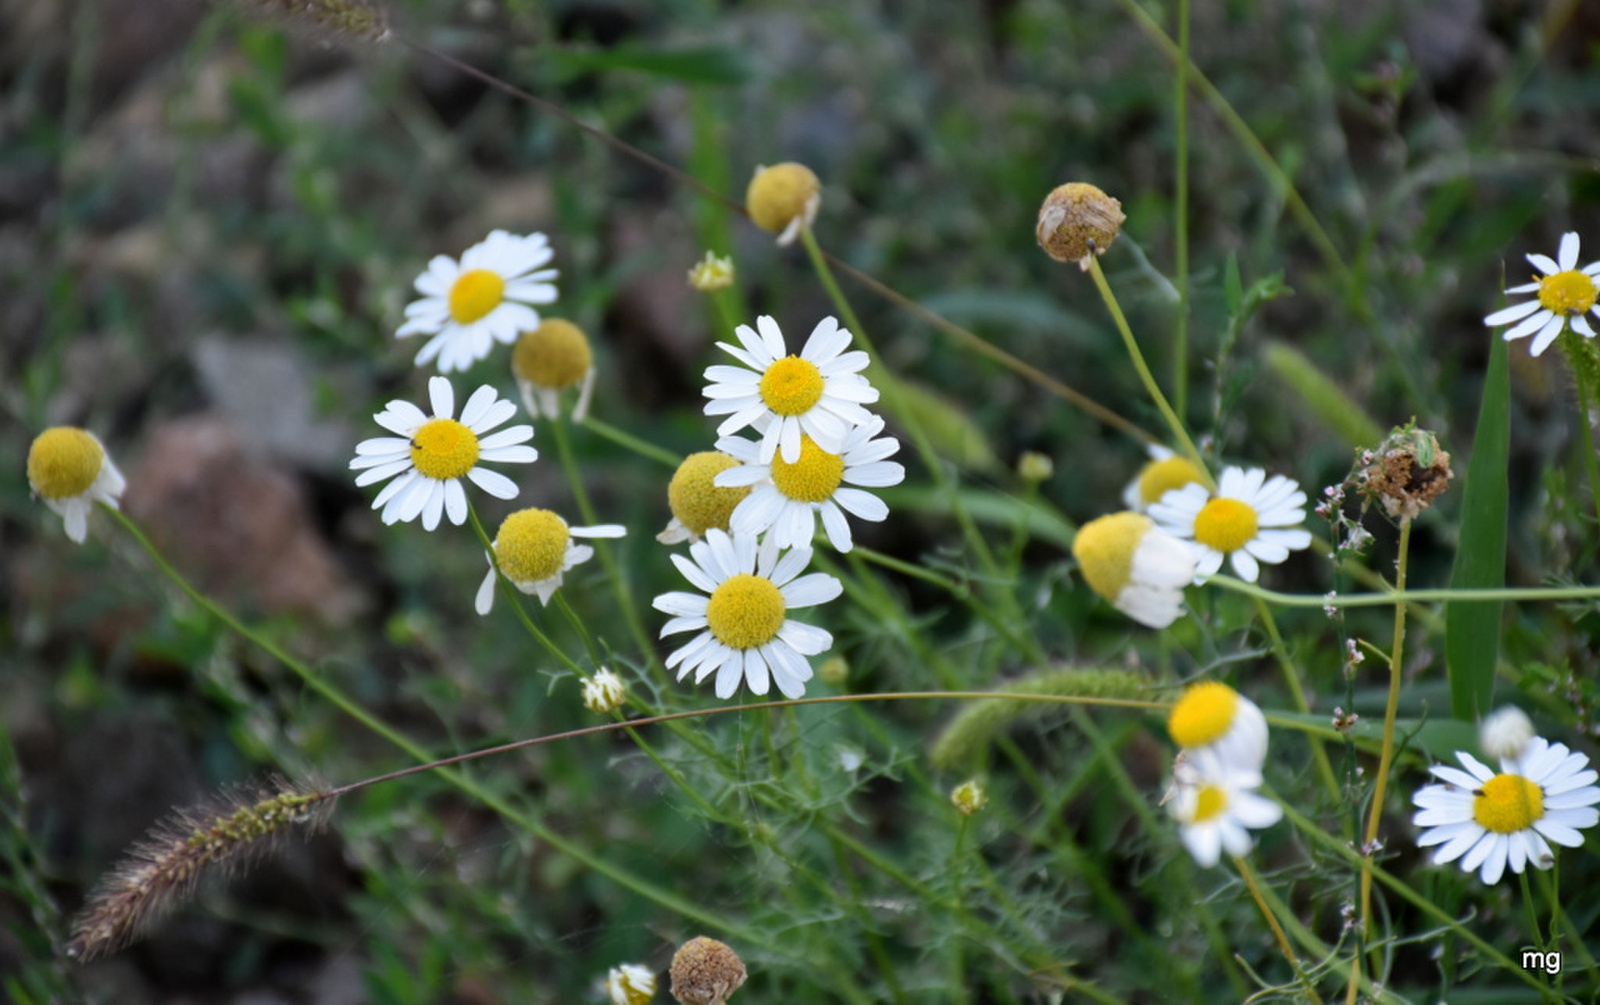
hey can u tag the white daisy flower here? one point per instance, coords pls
(1490, 820)
(1131, 562)
(1565, 293)
(70, 470)
(1165, 471)
(469, 305)
(534, 549)
(819, 392)
(697, 502)
(788, 498)
(431, 454)
(1216, 806)
(1251, 519)
(630, 984)
(1213, 717)
(744, 630)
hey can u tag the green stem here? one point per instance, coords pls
(1180, 111)
(630, 442)
(1399, 596)
(515, 598)
(1581, 358)
(1249, 876)
(1179, 433)
(1291, 677)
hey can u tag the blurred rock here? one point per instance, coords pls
(235, 521)
(263, 390)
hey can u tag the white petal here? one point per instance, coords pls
(1567, 256)
(442, 396)
(1516, 312)
(493, 482)
(484, 602)
(811, 590)
(1547, 334)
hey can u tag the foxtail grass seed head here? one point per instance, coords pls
(70, 470)
(1213, 717)
(1564, 295)
(534, 550)
(1078, 221)
(969, 797)
(1132, 563)
(353, 20)
(697, 502)
(550, 359)
(630, 984)
(1505, 732)
(783, 199)
(712, 273)
(1406, 473)
(1033, 467)
(1164, 472)
(705, 972)
(604, 693)
(220, 836)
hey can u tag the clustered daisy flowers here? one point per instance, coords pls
(1564, 295)
(1223, 736)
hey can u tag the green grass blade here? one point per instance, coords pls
(1472, 628)
(1323, 397)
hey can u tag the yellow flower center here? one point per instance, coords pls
(1104, 549)
(1507, 804)
(532, 545)
(476, 292)
(1569, 292)
(1209, 803)
(64, 462)
(1160, 477)
(780, 193)
(813, 477)
(745, 611)
(555, 355)
(1203, 715)
(699, 503)
(444, 449)
(1225, 525)
(791, 386)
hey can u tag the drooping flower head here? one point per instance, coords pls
(787, 498)
(783, 199)
(1492, 820)
(534, 548)
(429, 455)
(1216, 805)
(1131, 562)
(698, 503)
(819, 393)
(1211, 716)
(1251, 519)
(1564, 294)
(1077, 222)
(70, 470)
(486, 297)
(744, 629)
(1164, 472)
(549, 359)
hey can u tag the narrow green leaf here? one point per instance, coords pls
(1325, 399)
(711, 65)
(953, 433)
(1472, 627)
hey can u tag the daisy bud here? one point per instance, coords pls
(604, 693)
(969, 797)
(705, 972)
(1076, 221)
(1034, 467)
(783, 199)
(711, 274)
(1126, 559)
(699, 504)
(1504, 732)
(1407, 472)
(834, 670)
(630, 984)
(69, 469)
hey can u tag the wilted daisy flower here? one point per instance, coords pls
(630, 984)
(744, 629)
(70, 470)
(787, 498)
(819, 392)
(705, 972)
(1249, 520)
(1078, 221)
(698, 503)
(535, 549)
(1565, 293)
(549, 359)
(1491, 820)
(712, 273)
(469, 305)
(1213, 717)
(604, 692)
(431, 454)
(1164, 472)
(1131, 562)
(783, 199)
(1216, 806)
